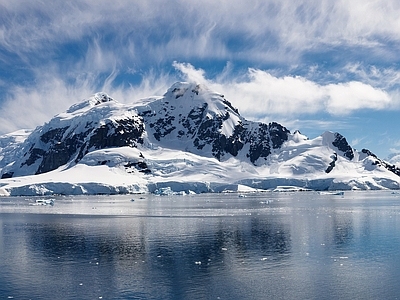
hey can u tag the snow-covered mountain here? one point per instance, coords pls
(191, 139)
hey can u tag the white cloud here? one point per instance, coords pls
(344, 98)
(264, 94)
(190, 73)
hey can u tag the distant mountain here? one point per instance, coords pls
(191, 139)
(394, 159)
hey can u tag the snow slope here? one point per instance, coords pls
(190, 140)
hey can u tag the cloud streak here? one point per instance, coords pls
(259, 31)
(29, 106)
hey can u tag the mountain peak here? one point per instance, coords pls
(178, 89)
(188, 95)
(96, 99)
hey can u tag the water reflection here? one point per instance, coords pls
(202, 248)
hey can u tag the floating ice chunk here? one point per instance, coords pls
(167, 191)
(289, 188)
(337, 193)
(43, 202)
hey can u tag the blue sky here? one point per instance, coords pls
(310, 65)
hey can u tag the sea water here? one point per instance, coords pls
(214, 246)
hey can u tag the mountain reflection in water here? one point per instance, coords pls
(268, 246)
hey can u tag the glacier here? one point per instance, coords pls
(190, 140)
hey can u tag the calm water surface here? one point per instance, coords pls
(265, 246)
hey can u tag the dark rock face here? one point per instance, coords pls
(204, 129)
(7, 175)
(332, 163)
(369, 153)
(60, 146)
(140, 165)
(34, 154)
(340, 142)
(265, 138)
(60, 149)
(119, 133)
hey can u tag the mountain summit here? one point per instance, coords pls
(190, 117)
(190, 139)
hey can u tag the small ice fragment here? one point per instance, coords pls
(224, 249)
(81, 283)
(197, 262)
(264, 258)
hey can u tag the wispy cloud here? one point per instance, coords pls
(29, 106)
(266, 31)
(356, 141)
(386, 78)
